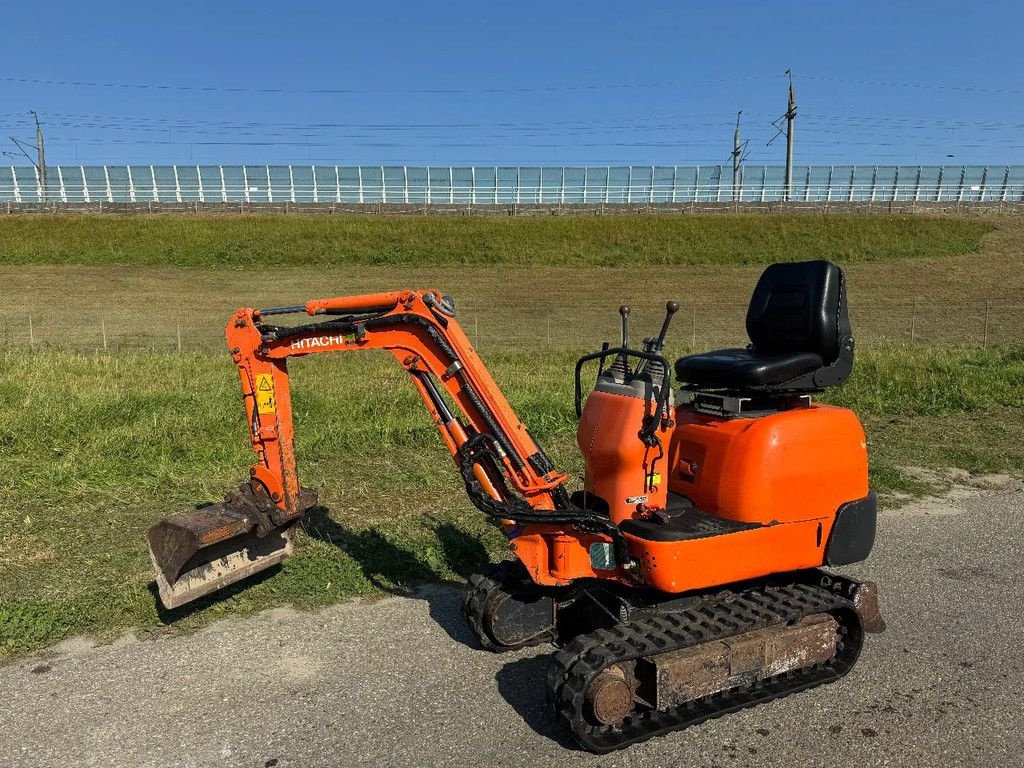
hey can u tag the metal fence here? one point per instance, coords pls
(308, 184)
(534, 326)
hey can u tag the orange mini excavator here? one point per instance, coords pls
(684, 580)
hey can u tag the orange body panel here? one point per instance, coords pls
(799, 464)
(555, 557)
(788, 471)
(620, 468)
(681, 566)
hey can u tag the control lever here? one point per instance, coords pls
(621, 363)
(655, 345)
(671, 308)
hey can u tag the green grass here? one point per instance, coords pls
(330, 241)
(96, 448)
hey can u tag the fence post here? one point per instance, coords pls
(988, 311)
(913, 324)
(31, 335)
(179, 337)
(103, 328)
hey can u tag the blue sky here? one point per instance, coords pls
(513, 83)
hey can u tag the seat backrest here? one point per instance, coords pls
(799, 307)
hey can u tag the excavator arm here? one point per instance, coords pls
(506, 474)
(419, 329)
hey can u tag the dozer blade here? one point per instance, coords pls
(199, 552)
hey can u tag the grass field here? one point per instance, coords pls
(80, 280)
(333, 241)
(97, 446)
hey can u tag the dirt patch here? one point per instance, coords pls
(951, 485)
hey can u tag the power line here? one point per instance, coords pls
(930, 86)
(376, 91)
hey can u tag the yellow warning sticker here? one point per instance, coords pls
(655, 478)
(265, 400)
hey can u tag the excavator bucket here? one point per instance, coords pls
(199, 552)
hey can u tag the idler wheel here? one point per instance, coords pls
(610, 697)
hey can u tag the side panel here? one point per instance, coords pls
(681, 566)
(794, 465)
(620, 468)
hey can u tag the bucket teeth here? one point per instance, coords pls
(199, 552)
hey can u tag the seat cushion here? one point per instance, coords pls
(739, 368)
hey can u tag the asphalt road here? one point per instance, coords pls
(396, 683)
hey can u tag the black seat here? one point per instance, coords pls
(800, 337)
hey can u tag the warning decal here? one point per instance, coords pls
(265, 400)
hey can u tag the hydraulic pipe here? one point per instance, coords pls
(455, 430)
(371, 302)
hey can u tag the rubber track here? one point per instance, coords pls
(718, 618)
(496, 577)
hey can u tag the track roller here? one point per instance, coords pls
(506, 610)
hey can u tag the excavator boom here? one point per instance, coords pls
(506, 473)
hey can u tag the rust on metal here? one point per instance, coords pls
(199, 552)
(865, 602)
(610, 696)
(692, 673)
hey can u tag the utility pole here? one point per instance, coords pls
(790, 120)
(738, 155)
(42, 155)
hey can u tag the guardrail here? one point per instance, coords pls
(476, 185)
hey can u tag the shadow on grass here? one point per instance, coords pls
(396, 570)
(388, 566)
